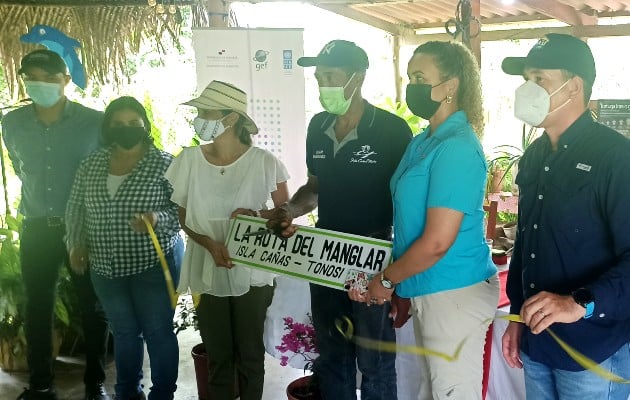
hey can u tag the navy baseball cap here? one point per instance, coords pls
(555, 51)
(338, 53)
(47, 60)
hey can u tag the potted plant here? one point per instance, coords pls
(299, 341)
(13, 299)
(186, 317)
(504, 161)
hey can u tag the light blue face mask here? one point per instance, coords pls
(44, 94)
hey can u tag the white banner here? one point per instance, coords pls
(329, 258)
(262, 62)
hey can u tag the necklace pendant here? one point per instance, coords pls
(222, 171)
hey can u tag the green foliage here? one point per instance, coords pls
(505, 157)
(504, 217)
(416, 124)
(156, 132)
(13, 297)
(185, 315)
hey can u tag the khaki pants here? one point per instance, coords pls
(443, 320)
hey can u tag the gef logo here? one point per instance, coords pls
(260, 57)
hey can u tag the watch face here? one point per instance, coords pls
(387, 284)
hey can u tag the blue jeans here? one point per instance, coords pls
(336, 365)
(544, 383)
(139, 310)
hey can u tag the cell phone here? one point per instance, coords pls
(356, 279)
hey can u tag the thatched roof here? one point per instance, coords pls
(107, 30)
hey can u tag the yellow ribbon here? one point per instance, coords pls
(170, 287)
(391, 347)
(575, 355)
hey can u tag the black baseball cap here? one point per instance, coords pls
(555, 51)
(338, 53)
(47, 60)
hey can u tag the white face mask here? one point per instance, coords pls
(532, 102)
(208, 130)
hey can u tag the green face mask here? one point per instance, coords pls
(333, 99)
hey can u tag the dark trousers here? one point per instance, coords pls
(232, 331)
(42, 254)
(338, 358)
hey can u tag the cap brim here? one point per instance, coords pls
(308, 61)
(28, 66)
(513, 65)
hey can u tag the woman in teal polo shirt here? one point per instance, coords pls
(442, 262)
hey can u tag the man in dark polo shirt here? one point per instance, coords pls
(46, 141)
(352, 150)
(570, 270)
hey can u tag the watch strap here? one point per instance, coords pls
(590, 307)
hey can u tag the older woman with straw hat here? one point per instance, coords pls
(209, 182)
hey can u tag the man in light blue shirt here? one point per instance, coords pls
(46, 141)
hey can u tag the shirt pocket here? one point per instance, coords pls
(413, 183)
(575, 216)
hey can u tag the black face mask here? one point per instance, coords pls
(419, 100)
(125, 136)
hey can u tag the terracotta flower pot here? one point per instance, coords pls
(200, 359)
(301, 389)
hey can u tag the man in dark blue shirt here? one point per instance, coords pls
(352, 150)
(570, 270)
(46, 141)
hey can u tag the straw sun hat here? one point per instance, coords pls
(224, 96)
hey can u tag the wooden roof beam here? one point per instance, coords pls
(587, 31)
(356, 15)
(561, 12)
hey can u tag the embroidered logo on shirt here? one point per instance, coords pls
(583, 167)
(362, 156)
(319, 154)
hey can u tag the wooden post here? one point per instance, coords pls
(475, 42)
(397, 76)
(218, 13)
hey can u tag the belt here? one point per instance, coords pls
(51, 222)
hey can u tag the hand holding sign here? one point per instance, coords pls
(220, 253)
(281, 222)
(320, 256)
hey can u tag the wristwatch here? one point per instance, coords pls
(387, 284)
(584, 297)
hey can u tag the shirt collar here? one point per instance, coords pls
(578, 129)
(368, 117)
(330, 132)
(68, 110)
(444, 131)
